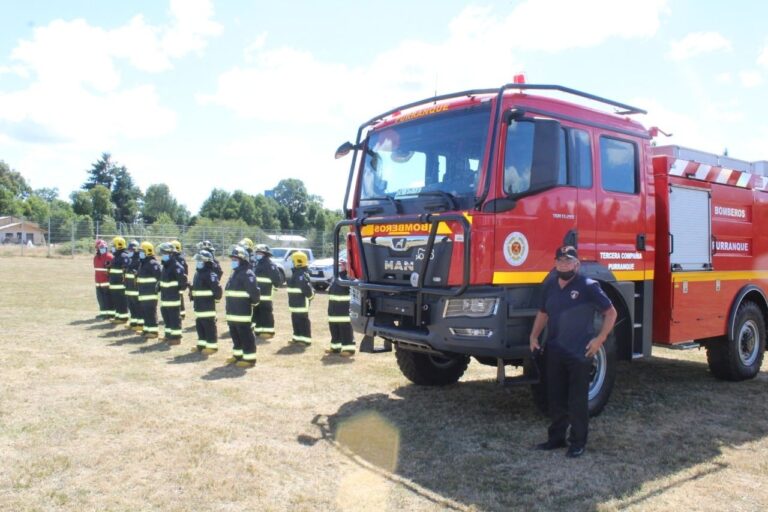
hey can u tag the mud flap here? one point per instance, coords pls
(368, 346)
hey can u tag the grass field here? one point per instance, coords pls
(92, 418)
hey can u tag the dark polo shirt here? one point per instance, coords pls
(571, 311)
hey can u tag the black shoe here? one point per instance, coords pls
(575, 451)
(551, 445)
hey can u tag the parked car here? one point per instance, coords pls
(281, 257)
(321, 271)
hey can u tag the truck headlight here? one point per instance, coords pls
(474, 308)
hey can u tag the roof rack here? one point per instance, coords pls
(627, 109)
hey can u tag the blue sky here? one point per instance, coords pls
(233, 94)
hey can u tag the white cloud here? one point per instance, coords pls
(763, 58)
(724, 77)
(697, 43)
(750, 78)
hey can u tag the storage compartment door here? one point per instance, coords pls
(690, 226)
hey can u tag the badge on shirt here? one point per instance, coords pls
(574, 294)
(213, 278)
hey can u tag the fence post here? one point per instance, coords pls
(97, 229)
(72, 239)
(49, 236)
(22, 236)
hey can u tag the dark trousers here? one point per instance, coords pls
(341, 334)
(135, 310)
(183, 309)
(207, 336)
(302, 328)
(149, 315)
(243, 340)
(121, 305)
(105, 302)
(263, 318)
(172, 321)
(567, 391)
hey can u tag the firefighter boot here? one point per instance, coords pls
(245, 364)
(209, 351)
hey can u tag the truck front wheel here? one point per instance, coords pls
(431, 370)
(602, 378)
(739, 358)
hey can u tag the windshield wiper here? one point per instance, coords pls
(391, 199)
(453, 204)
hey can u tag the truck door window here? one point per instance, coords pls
(581, 158)
(618, 165)
(518, 158)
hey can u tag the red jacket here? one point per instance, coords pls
(100, 264)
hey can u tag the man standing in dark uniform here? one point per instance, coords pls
(300, 292)
(206, 292)
(342, 341)
(268, 278)
(131, 289)
(242, 294)
(208, 246)
(117, 280)
(148, 283)
(178, 256)
(567, 308)
(172, 282)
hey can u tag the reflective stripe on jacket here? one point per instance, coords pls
(241, 293)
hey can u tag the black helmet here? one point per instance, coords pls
(204, 256)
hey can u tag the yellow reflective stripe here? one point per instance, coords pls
(205, 314)
(101, 270)
(170, 303)
(115, 271)
(294, 290)
(348, 347)
(146, 280)
(339, 319)
(117, 287)
(237, 352)
(131, 293)
(335, 346)
(298, 310)
(237, 294)
(202, 293)
(265, 298)
(168, 284)
(147, 297)
(239, 318)
(302, 338)
(102, 285)
(249, 357)
(212, 345)
(130, 274)
(339, 298)
(263, 279)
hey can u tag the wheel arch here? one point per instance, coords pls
(621, 294)
(749, 293)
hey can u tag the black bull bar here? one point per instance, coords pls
(434, 220)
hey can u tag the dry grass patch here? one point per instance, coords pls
(93, 418)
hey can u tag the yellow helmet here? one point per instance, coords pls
(176, 245)
(118, 242)
(299, 259)
(148, 248)
(247, 243)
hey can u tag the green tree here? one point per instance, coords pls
(82, 202)
(213, 207)
(36, 209)
(47, 194)
(102, 202)
(246, 209)
(292, 194)
(125, 196)
(13, 190)
(102, 172)
(61, 218)
(268, 210)
(157, 200)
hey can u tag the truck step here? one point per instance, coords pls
(688, 345)
(520, 380)
(369, 347)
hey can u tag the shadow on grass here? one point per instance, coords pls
(120, 332)
(133, 340)
(189, 357)
(293, 348)
(432, 438)
(335, 359)
(86, 321)
(190, 328)
(229, 371)
(102, 326)
(160, 346)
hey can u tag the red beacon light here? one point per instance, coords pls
(519, 78)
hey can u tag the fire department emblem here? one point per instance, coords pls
(574, 294)
(516, 249)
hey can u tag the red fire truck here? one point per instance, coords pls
(455, 204)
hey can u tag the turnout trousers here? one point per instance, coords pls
(568, 394)
(207, 335)
(302, 328)
(172, 320)
(264, 319)
(119, 302)
(243, 341)
(104, 299)
(341, 336)
(134, 309)
(149, 316)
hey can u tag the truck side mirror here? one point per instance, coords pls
(344, 149)
(545, 165)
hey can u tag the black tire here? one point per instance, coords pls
(320, 287)
(281, 272)
(739, 358)
(430, 370)
(601, 384)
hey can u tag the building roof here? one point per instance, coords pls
(28, 226)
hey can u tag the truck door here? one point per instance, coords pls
(580, 164)
(620, 208)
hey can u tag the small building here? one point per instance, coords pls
(15, 230)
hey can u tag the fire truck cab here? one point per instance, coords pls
(455, 204)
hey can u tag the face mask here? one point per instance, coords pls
(131, 253)
(113, 250)
(235, 264)
(200, 264)
(102, 250)
(166, 257)
(259, 257)
(565, 276)
(142, 255)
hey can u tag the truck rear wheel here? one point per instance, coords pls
(431, 370)
(602, 379)
(740, 358)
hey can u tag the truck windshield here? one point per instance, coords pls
(439, 154)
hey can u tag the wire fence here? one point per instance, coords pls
(72, 237)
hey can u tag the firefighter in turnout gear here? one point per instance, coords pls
(206, 292)
(268, 278)
(342, 341)
(101, 262)
(172, 282)
(117, 280)
(300, 292)
(180, 258)
(131, 289)
(242, 294)
(208, 246)
(148, 283)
